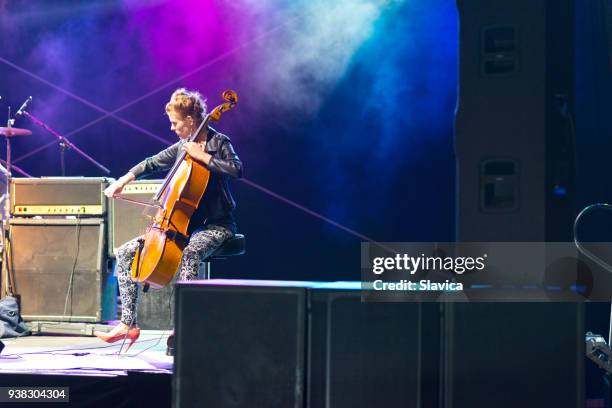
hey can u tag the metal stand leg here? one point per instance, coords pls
(3, 271)
(7, 284)
(206, 270)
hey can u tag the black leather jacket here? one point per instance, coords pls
(217, 204)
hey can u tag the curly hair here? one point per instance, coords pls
(187, 103)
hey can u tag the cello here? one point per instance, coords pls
(159, 256)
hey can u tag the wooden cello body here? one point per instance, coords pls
(159, 257)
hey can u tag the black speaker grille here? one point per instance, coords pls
(44, 254)
(239, 347)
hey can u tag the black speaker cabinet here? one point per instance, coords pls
(60, 269)
(514, 131)
(509, 355)
(127, 220)
(288, 344)
(370, 354)
(239, 345)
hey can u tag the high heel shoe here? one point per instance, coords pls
(119, 333)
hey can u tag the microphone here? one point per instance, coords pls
(23, 107)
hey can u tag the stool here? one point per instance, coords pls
(234, 246)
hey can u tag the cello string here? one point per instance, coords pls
(181, 157)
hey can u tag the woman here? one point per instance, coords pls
(211, 224)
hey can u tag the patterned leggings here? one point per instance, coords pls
(202, 243)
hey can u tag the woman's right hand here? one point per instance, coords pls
(113, 189)
(117, 186)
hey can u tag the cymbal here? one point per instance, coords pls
(4, 131)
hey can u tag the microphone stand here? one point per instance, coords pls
(64, 145)
(14, 167)
(6, 275)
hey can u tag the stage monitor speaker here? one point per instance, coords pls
(514, 130)
(272, 344)
(371, 354)
(239, 346)
(509, 355)
(61, 271)
(127, 220)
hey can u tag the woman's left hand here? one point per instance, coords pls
(196, 150)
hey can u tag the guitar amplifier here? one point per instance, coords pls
(61, 269)
(127, 220)
(59, 196)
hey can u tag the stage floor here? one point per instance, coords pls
(77, 355)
